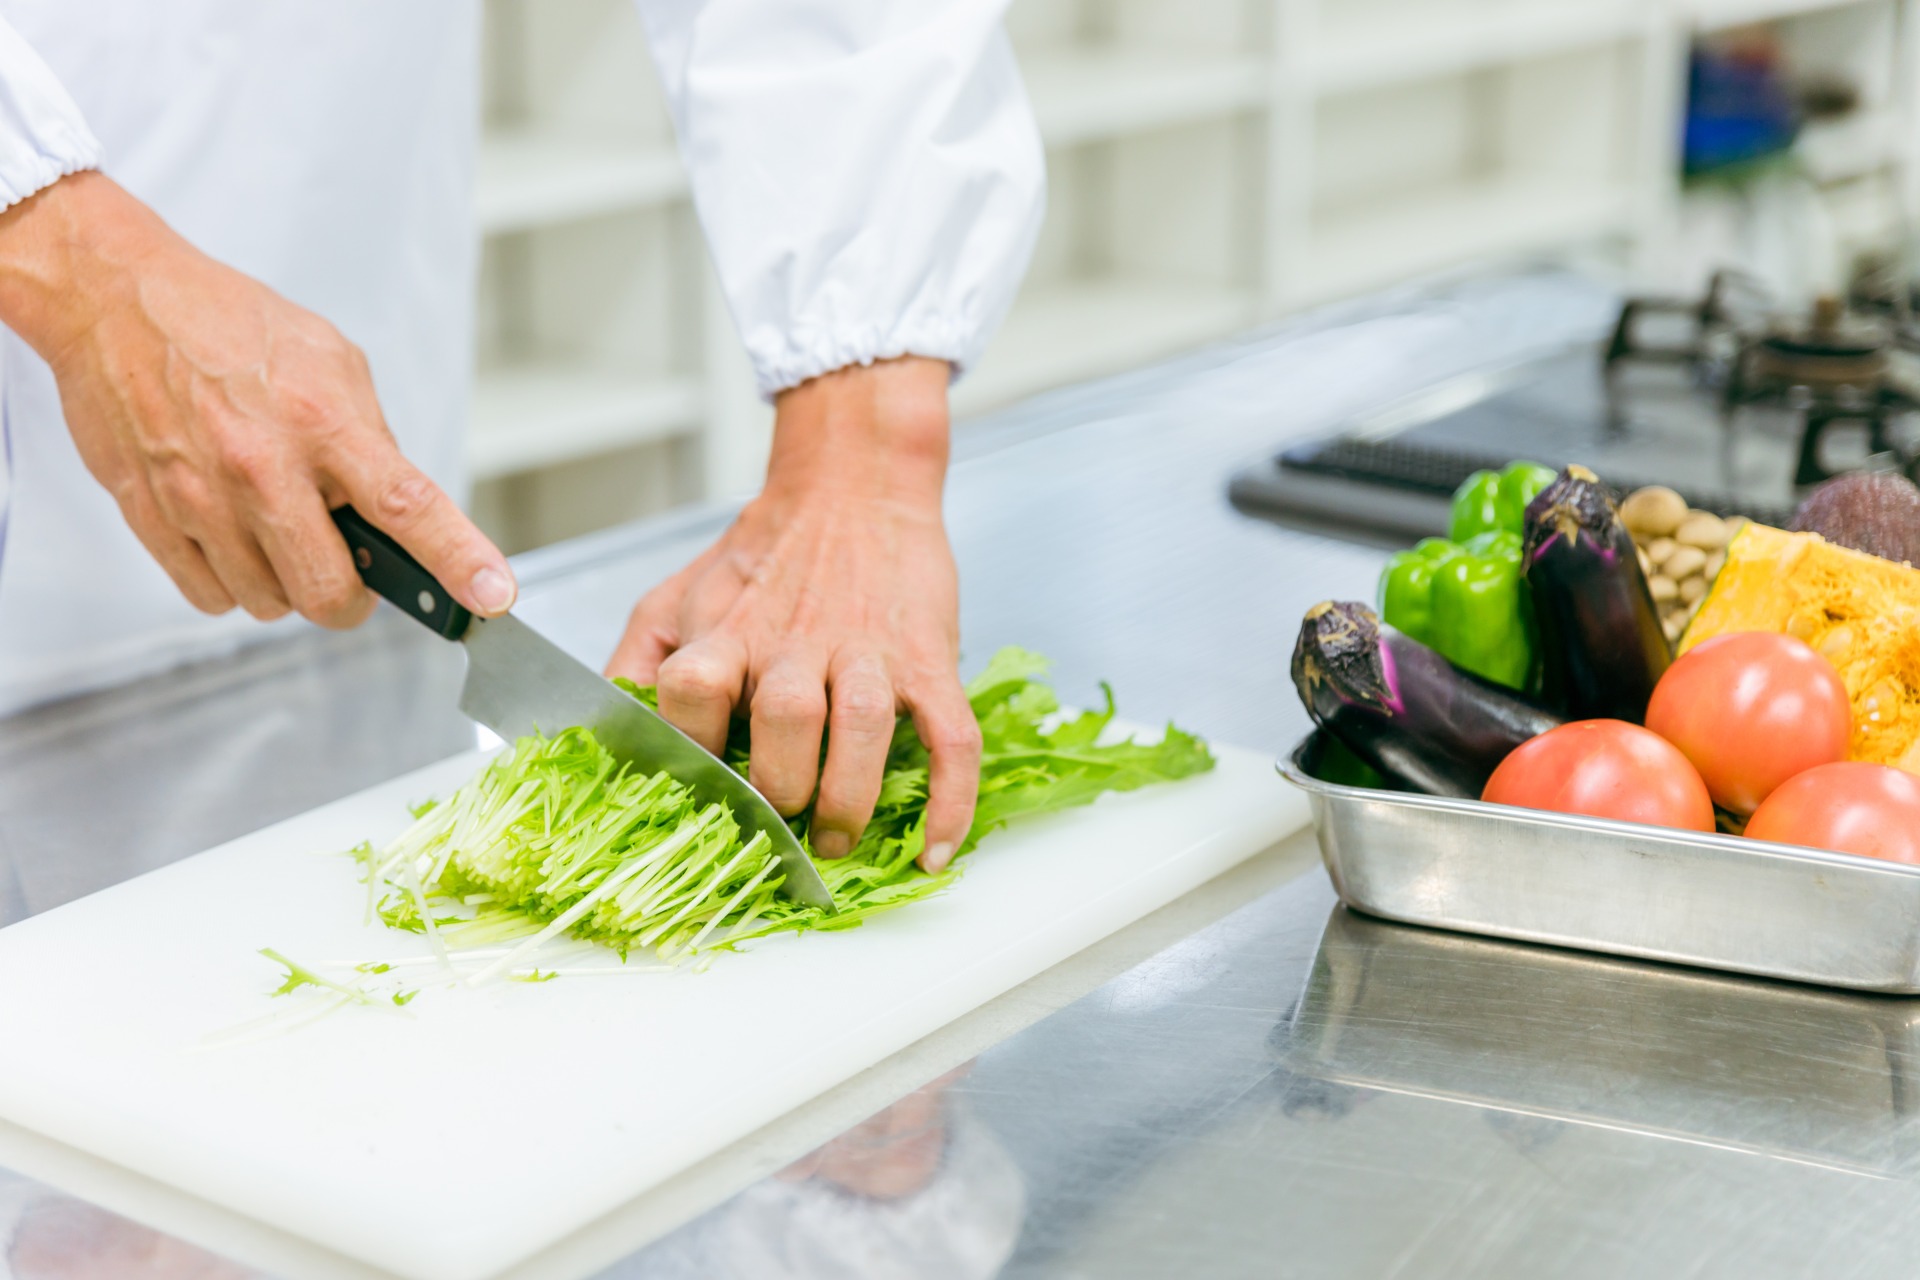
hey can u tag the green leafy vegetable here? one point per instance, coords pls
(537, 975)
(298, 975)
(556, 836)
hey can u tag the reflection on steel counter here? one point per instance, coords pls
(104, 787)
(1534, 1033)
(45, 1235)
(921, 1191)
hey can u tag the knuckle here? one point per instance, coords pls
(308, 406)
(789, 704)
(249, 464)
(957, 736)
(333, 597)
(404, 498)
(133, 495)
(844, 801)
(697, 677)
(181, 492)
(863, 706)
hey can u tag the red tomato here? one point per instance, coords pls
(1752, 709)
(1606, 769)
(1853, 807)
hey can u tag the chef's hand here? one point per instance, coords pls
(224, 419)
(831, 604)
(889, 1155)
(63, 1239)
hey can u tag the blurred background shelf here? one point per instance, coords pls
(539, 415)
(1855, 145)
(1711, 14)
(538, 177)
(1364, 248)
(1439, 38)
(1082, 97)
(1069, 333)
(1212, 164)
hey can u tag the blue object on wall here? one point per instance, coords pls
(1739, 109)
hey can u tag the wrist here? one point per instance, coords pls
(64, 250)
(876, 431)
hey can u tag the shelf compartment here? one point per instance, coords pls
(1431, 39)
(1713, 15)
(1072, 331)
(1355, 249)
(1850, 147)
(1087, 96)
(537, 177)
(539, 414)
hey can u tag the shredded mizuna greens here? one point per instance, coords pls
(555, 836)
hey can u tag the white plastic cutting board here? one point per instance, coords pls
(456, 1137)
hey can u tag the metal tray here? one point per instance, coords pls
(1716, 901)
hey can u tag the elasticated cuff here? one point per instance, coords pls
(56, 156)
(790, 359)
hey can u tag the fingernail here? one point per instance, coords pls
(831, 844)
(493, 590)
(936, 858)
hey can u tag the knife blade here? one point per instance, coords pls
(519, 682)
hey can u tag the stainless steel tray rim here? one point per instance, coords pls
(1289, 767)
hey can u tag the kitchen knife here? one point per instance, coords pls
(519, 682)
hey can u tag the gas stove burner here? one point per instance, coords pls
(1832, 353)
(1734, 306)
(1882, 287)
(1835, 368)
(1730, 399)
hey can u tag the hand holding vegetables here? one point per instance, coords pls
(556, 836)
(832, 602)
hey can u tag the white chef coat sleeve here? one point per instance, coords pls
(868, 172)
(43, 136)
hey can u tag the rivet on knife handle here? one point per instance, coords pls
(398, 578)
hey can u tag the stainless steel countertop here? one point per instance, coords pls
(1263, 1085)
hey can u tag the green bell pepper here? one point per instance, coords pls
(1406, 588)
(1466, 600)
(1496, 500)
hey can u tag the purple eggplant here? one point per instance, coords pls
(1601, 645)
(1404, 709)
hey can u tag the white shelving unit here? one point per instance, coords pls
(1435, 39)
(1080, 97)
(1212, 163)
(533, 178)
(532, 415)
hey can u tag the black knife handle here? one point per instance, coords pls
(397, 577)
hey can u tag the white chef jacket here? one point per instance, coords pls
(867, 172)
